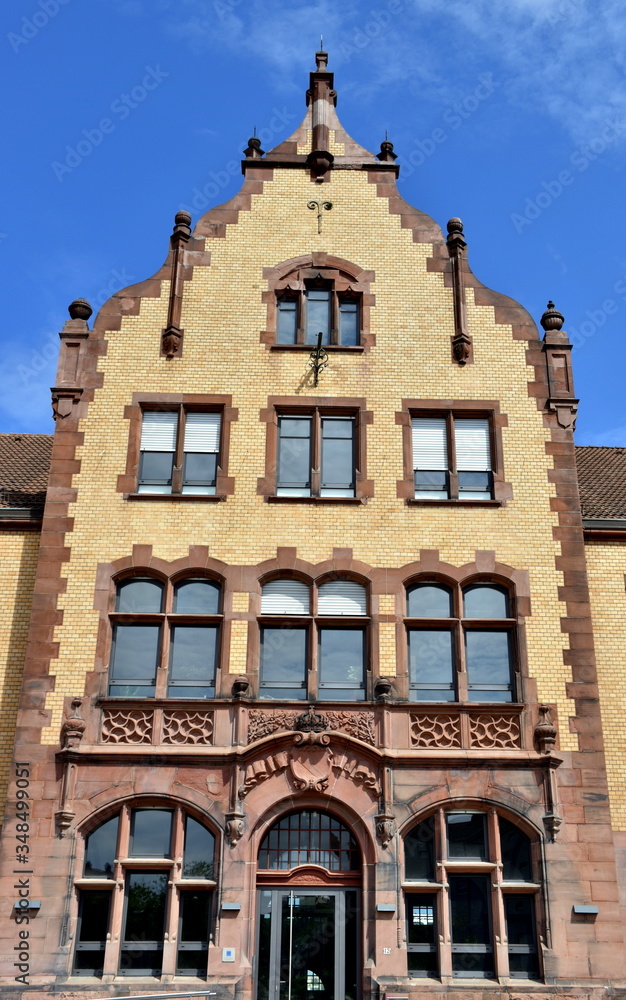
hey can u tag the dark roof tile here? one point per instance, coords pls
(24, 466)
(602, 479)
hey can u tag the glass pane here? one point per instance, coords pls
(199, 469)
(488, 658)
(419, 851)
(193, 948)
(197, 597)
(337, 454)
(351, 939)
(520, 927)
(265, 936)
(139, 596)
(431, 665)
(192, 661)
(317, 315)
(93, 919)
(475, 486)
(516, 857)
(156, 467)
(134, 660)
(429, 600)
(421, 918)
(294, 452)
(100, 850)
(348, 323)
(287, 322)
(309, 837)
(431, 485)
(481, 600)
(142, 947)
(307, 953)
(283, 662)
(199, 850)
(466, 836)
(341, 664)
(472, 952)
(151, 833)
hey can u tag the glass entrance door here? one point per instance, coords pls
(307, 944)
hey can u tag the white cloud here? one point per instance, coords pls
(615, 437)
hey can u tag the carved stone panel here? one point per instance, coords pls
(132, 726)
(440, 732)
(188, 728)
(360, 725)
(262, 723)
(489, 732)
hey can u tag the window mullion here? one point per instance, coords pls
(163, 661)
(316, 453)
(177, 472)
(300, 332)
(334, 317)
(312, 660)
(443, 917)
(453, 486)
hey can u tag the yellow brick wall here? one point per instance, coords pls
(222, 316)
(18, 560)
(606, 566)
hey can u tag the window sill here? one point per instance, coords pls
(177, 497)
(350, 501)
(422, 502)
(329, 348)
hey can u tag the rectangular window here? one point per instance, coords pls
(134, 658)
(193, 934)
(341, 664)
(431, 665)
(284, 662)
(287, 321)
(316, 456)
(93, 927)
(488, 659)
(193, 659)
(179, 452)
(302, 316)
(144, 924)
(349, 322)
(421, 934)
(520, 932)
(467, 836)
(317, 315)
(436, 475)
(470, 917)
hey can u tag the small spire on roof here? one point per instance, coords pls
(321, 60)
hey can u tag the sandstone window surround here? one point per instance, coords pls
(472, 887)
(316, 453)
(313, 640)
(165, 638)
(461, 642)
(318, 294)
(453, 453)
(178, 448)
(163, 858)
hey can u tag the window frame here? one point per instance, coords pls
(127, 864)
(459, 626)
(318, 409)
(346, 282)
(501, 890)
(314, 624)
(182, 404)
(501, 491)
(167, 620)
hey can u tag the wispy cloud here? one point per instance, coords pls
(563, 58)
(615, 437)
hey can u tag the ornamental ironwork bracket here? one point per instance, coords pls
(319, 359)
(319, 205)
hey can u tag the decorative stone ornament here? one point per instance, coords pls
(385, 829)
(240, 688)
(73, 728)
(234, 829)
(545, 731)
(253, 150)
(552, 319)
(461, 341)
(311, 722)
(172, 335)
(80, 309)
(386, 154)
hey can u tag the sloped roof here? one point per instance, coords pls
(24, 467)
(602, 479)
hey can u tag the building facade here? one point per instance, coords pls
(310, 702)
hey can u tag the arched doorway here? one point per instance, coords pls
(309, 877)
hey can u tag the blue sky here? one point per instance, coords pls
(509, 115)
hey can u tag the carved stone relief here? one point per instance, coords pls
(127, 726)
(195, 728)
(359, 725)
(442, 732)
(494, 732)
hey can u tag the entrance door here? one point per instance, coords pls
(307, 944)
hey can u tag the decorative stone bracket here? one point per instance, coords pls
(64, 399)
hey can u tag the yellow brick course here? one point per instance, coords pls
(223, 314)
(18, 561)
(606, 565)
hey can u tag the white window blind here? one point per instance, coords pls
(430, 444)
(202, 432)
(285, 597)
(341, 597)
(473, 453)
(158, 431)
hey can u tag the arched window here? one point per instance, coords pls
(313, 640)
(489, 870)
(161, 901)
(460, 642)
(174, 626)
(309, 837)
